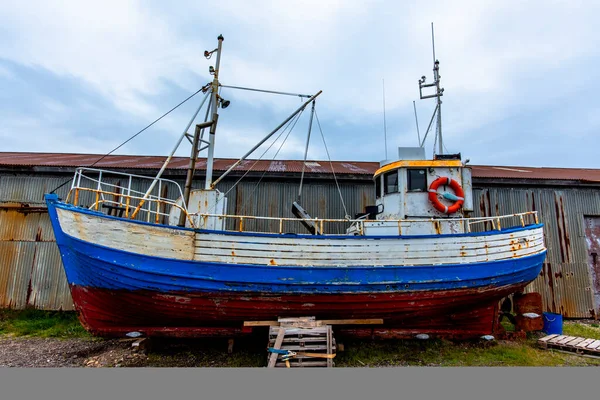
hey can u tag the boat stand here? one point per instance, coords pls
(300, 343)
(304, 341)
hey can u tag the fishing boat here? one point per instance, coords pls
(139, 261)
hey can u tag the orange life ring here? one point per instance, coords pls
(457, 191)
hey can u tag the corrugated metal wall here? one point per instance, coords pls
(565, 282)
(31, 273)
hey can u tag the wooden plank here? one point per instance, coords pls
(329, 350)
(556, 339)
(314, 339)
(576, 341)
(584, 344)
(322, 347)
(261, 323)
(565, 340)
(363, 321)
(304, 363)
(366, 257)
(317, 331)
(277, 345)
(546, 338)
(296, 319)
(287, 251)
(367, 321)
(595, 345)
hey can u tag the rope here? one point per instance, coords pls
(133, 137)
(347, 216)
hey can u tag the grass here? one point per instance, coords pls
(38, 323)
(587, 331)
(447, 353)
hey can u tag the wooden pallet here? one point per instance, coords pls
(302, 335)
(573, 344)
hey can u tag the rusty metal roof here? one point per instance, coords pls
(570, 174)
(23, 159)
(155, 162)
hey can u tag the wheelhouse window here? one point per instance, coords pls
(378, 187)
(417, 180)
(391, 182)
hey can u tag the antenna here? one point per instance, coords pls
(384, 125)
(438, 94)
(432, 43)
(417, 122)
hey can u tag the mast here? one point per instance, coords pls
(215, 115)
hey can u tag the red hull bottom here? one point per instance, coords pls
(455, 313)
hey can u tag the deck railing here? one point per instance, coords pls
(123, 198)
(155, 207)
(358, 225)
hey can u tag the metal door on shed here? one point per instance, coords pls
(592, 237)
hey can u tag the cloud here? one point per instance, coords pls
(519, 77)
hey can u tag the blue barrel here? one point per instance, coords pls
(553, 323)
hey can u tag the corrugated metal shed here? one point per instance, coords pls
(181, 163)
(565, 281)
(31, 273)
(14, 159)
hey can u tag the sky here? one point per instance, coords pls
(521, 78)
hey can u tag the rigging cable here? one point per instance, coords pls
(347, 216)
(293, 120)
(278, 150)
(134, 136)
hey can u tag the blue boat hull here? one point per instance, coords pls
(116, 291)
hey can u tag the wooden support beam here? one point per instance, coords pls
(369, 321)
(278, 341)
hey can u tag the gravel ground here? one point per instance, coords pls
(46, 352)
(30, 352)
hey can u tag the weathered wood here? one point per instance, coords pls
(157, 241)
(300, 322)
(594, 345)
(308, 339)
(576, 341)
(363, 321)
(292, 347)
(329, 347)
(547, 338)
(578, 345)
(277, 345)
(230, 346)
(556, 339)
(317, 331)
(213, 247)
(141, 344)
(261, 323)
(584, 344)
(304, 363)
(308, 343)
(565, 340)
